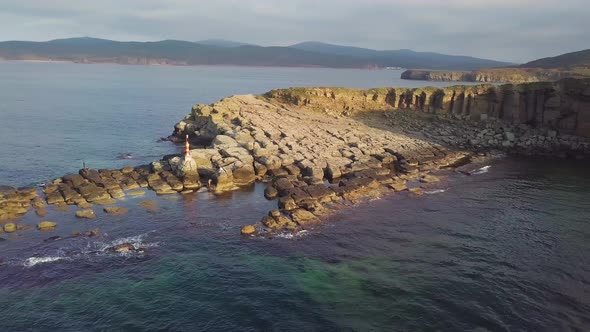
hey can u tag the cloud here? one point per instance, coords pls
(501, 29)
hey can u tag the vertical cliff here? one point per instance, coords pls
(563, 105)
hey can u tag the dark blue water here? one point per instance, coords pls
(502, 250)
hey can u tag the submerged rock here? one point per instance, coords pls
(46, 225)
(126, 247)
(114, 210)
(150, 206)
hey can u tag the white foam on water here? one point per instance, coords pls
(32, 261)
(437, 191)
(481, 170)
(137, 241)
(290, 236)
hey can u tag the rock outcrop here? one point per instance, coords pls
(321, 148)
(367, 142)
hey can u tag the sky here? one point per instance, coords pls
(508, 30)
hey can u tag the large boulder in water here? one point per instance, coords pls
(10, 228)
(248, 230)
(46, 225)
(88, 214)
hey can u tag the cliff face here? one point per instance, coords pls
(563, 105)
(496, 75)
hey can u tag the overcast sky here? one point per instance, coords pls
(512, 30)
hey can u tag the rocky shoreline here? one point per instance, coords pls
(319, 149)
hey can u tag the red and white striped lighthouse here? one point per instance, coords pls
(187, 149)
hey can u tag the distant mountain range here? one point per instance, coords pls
(223, 52)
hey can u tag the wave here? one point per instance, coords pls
(436, 191)
(32, 261)
(137, 241)
(481, 170)
(91, 250)
(290, 236)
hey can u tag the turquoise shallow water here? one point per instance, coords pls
(502, 250)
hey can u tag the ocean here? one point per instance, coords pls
(503, 249)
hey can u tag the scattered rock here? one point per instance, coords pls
(416, 191)
(429, 179)
(303, 217)
(150, 206)
(398, 186)
(46, 225)
(92, 233)
(10, 228)
(270, 192)
(87, 214)
(115, 210)
(248, 230)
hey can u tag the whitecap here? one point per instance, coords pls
(137, 241)
(436, 191)
(481, 170)
(32, 261)
(290, 236)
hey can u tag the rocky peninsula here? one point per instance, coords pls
(318, 149)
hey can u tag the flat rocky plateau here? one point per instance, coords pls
(318, 149)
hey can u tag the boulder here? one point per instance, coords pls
(271, 162)
(116, 193)
(270, 192)
(224, 141)
(87, 214)
(10, 228)
(287, 203)
(38, 203)
(248, 230)
(429, 179)
(260, 169)
(223, 180)
(73, 179)
(275, 223)
(187, 168)
(398, 186)
(303, 217)
(84, 204)
(46, 225)
(244, 175)
(54, 198)
(416, 191)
